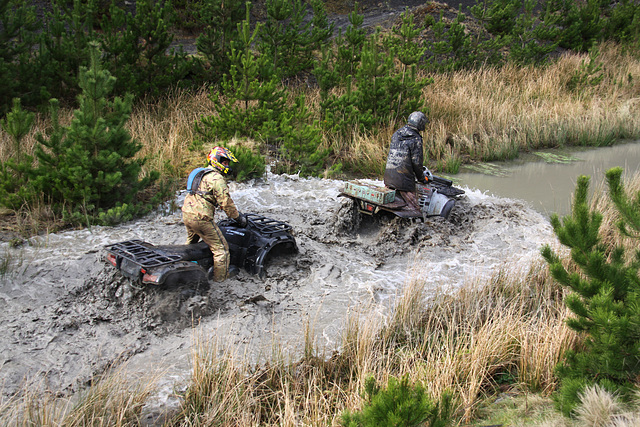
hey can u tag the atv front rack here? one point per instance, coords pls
(267, 226)
(137, 252)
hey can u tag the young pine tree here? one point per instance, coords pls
(451, 48)
(349, 46)
(404, 46)
(89, 169)
(289, 39)
(20, 78)
(15, 172)
(336, 68)
(138, 49)
(581, 23)
(498, 16)
(532, 40)
(383, 95)
(247, 105)
(220, 19)
(605, 296)
(64, 45)
(17, 124)
(250, 106)
(339, 59)
(623, 23)
(399, 404)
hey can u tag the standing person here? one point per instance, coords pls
(207, 190)
(404, 162)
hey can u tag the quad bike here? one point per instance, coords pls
(177, 265)
(437, 198)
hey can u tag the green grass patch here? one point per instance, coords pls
(488, 169)
(555, 157)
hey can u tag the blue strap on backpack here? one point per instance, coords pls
(193, 182)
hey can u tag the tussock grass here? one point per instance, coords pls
(167, 129)
(460, 341)
(598, 407)
(493, 114)
(114, 399)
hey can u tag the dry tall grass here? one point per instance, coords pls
(494, 113)
(490, 113)
(457, 341)
(114, 399)
(166, 130)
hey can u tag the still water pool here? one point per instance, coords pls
(547, 181)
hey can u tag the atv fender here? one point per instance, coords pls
(251, 247)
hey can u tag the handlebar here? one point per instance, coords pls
(436, 179)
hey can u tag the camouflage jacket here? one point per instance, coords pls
(216, 194)
(404, 163)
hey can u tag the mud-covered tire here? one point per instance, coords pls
(348, 216)
(186, 289)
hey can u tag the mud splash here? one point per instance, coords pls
(68, 316)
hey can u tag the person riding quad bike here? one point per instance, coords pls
(207, 189)
(404, 162)
(410, 189)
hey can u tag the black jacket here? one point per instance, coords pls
(404, 163)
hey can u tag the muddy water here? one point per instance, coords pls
(548, 186)
(67, 315)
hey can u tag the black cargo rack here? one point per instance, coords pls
(266, 225)
(145, 256)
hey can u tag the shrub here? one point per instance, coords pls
(400, 404)
(250, 165)
(249, 106)
(605, 298)
(87, 170)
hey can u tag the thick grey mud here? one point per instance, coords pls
(68, 316)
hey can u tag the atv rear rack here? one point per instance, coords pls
(137, 252)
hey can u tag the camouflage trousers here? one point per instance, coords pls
(209, 232)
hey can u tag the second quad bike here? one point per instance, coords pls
(437, 198)
(176, 265)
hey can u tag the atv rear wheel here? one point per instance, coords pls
(348, 216)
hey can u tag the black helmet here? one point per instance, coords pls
(417, 120)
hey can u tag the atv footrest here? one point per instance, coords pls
(135, 251)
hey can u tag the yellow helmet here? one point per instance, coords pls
(217, 155)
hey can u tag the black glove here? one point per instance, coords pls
(241, 220)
